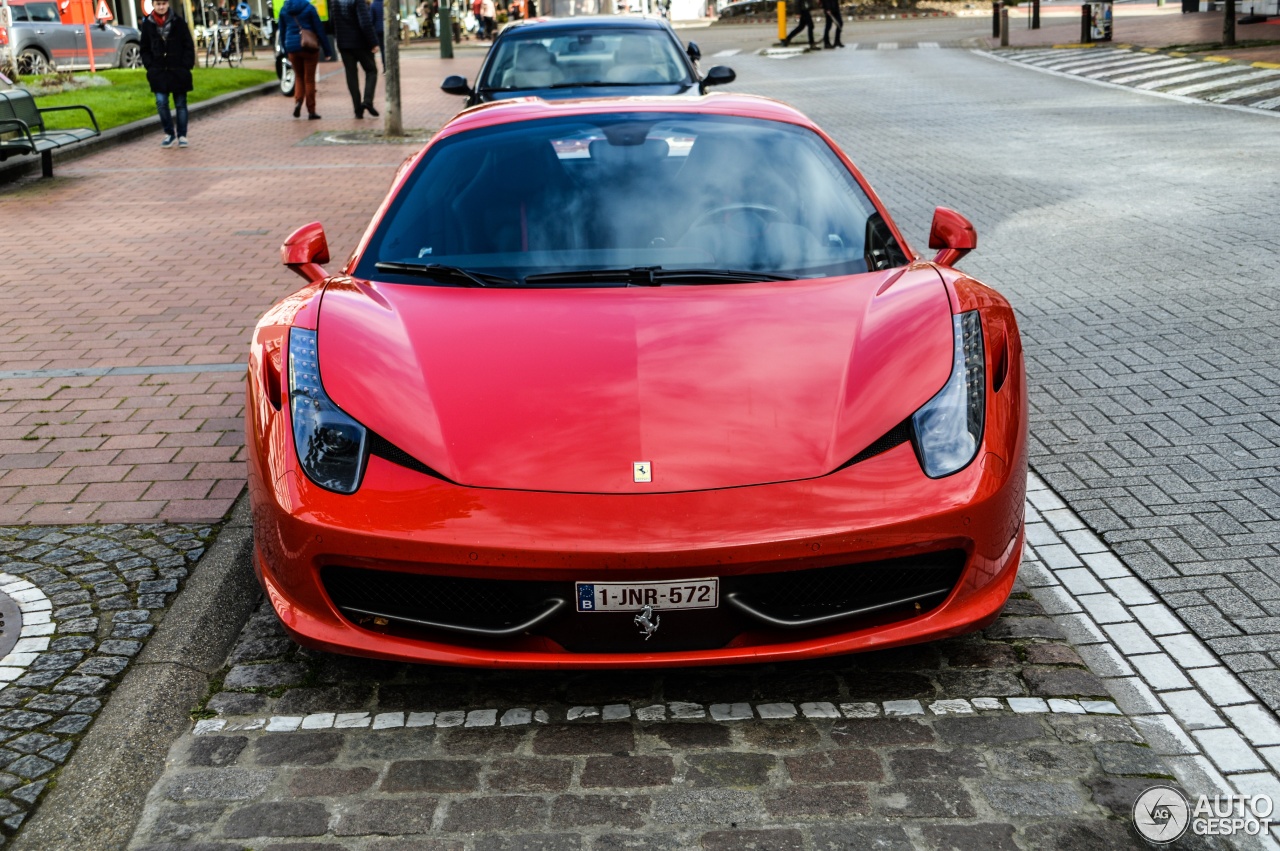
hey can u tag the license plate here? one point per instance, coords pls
(633, 596)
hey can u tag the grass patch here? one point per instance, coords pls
(129, 97)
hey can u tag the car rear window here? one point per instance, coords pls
(44, 13)
(620, 191)
(540, 59)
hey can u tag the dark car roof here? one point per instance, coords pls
(615, 22)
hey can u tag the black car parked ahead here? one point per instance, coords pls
(614, 56)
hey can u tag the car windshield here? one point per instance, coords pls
(538, 202)
(540, 59)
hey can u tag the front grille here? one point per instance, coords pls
(480, 604)
(803, 595)
(466, 610)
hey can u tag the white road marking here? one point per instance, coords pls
(887, 45)
(929, 45)
(734, 52)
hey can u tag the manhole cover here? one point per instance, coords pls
(10, 624)
(367, 137)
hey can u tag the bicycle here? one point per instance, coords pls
(224, 43)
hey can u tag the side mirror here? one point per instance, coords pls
(952, 233)
(304, 251)
(694, 52)
(102, 25)
(718, 75)
(455, 85)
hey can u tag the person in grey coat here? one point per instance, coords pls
(353, 30)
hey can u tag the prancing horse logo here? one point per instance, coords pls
(648, 621)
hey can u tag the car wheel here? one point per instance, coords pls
(131, 55)
(32, 61)
(287, 79)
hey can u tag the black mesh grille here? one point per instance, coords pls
(812, 593)
(896, 436)
(383, 448)
(480, 603)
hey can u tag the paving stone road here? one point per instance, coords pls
(1126, 230)
(881, 750)
(1134, 238)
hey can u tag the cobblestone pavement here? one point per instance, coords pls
(879, 748)
(97, 592)
(1132, 237)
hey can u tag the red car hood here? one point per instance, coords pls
(564, 390)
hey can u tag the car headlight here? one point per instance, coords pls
(330, 444)
(948, 428)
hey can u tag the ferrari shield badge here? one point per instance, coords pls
(642, 471)
(648, 622)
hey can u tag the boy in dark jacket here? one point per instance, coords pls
(168, 54)
(353, 30)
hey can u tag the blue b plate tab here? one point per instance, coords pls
(586, 598)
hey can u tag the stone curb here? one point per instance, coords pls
(101, 792)
(128, 132)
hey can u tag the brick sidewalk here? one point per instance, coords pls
(147, 261)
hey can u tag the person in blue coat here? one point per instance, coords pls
(296, 16)
(375, 11)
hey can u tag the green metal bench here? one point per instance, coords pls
(22, 129)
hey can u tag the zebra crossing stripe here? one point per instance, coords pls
(1217, 71)
(929, 45)
(733, 52)
(1217, 84)
(1274, 103)
(1147, 75)
(1246, 92)
(887, 45)
(1128, 66)
(1115, 64)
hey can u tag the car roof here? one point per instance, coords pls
(585, 22)
(530, 108)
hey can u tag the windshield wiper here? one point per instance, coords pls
(653, 276)
(437, 272)
(606, 84)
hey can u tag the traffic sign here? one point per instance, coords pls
(104, 11)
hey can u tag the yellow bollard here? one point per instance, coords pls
(782, 20)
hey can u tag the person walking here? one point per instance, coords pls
(806, 21)
(488, 19)
(168, 54)
(831, 8)
(302, 37)
(375, 13)
(353, 30)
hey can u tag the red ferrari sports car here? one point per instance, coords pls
(641, 382)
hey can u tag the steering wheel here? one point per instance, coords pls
(763, 212)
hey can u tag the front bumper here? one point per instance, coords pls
(400, 521)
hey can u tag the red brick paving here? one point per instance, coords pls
(131, 257)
